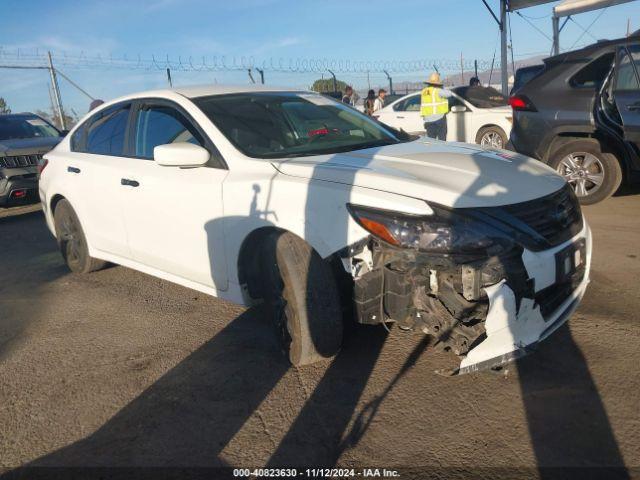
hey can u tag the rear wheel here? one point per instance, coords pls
(491, 137)
(303, 300)
(594, 175)
(71, 240)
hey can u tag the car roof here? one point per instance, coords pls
(594, 47)
(194, 91)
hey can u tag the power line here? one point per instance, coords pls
(589, 27)
(582, 28)
(534, 26)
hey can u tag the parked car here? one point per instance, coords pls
(581, 115)
(298, 200)
(477, 115)
(24, 138)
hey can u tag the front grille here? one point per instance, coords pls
(17, 161)
(555, 217)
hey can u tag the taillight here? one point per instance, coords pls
(42, 164)
(522, 103)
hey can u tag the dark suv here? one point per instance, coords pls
(24, 138)
(581, 115)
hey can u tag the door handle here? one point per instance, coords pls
(634, 107)
(398, 116)
(129, 183)
(73, 170)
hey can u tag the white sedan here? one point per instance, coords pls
(477, 115)
(301, 203)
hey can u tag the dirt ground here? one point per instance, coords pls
(117, 368)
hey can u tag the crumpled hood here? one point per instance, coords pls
(28, 145)
(451, 174)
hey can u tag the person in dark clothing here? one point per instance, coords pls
(348, 95)
(369, 102)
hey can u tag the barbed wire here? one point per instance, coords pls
(236, 63)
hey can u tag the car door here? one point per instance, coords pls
(93, 170)
(169, 210)
(626, 92)
(408, 115)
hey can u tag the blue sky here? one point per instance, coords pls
(262, 30)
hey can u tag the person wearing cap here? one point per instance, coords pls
(434, 107)
(379, 103)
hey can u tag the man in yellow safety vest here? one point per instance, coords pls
(434, 107)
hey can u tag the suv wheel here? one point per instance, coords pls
(303, 300)
(593, 174)
(71, 240)
(491, 137)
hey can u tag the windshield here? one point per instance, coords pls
(273, 125)
(482, 97)
(12, 127)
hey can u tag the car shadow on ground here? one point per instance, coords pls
(33, 260)
(627, 190)
(568, 424)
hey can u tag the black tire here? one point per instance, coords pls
(497, 132)
(71, 240)
(607, 164)
(303, 300)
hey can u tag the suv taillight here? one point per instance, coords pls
(522, 103)
(42, 164)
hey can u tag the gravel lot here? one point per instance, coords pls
(119, 368)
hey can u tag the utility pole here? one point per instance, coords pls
(56, 91)
(461, 70)
(628, 27)
(169, 78)
(503, 48)
(261, 72)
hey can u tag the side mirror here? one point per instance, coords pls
(64, 133)
(180, 154)
(458, 109)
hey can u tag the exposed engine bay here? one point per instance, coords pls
(449, 297)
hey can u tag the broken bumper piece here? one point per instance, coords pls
(513, 332)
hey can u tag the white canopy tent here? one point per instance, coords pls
(564, 8)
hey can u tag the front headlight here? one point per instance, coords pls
(444, 232)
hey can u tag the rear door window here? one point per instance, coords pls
(592, 75)
(105, 133)
(160, 125)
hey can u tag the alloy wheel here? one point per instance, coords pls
(491, 139)
(72, 240)
(583, 171)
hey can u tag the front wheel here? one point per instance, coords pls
(303, 298)
(71, 240)
(593, 174)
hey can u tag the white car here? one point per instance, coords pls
(251, 193)
(477, 115)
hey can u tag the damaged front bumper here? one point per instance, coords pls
(512, 332)
(487, 311)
